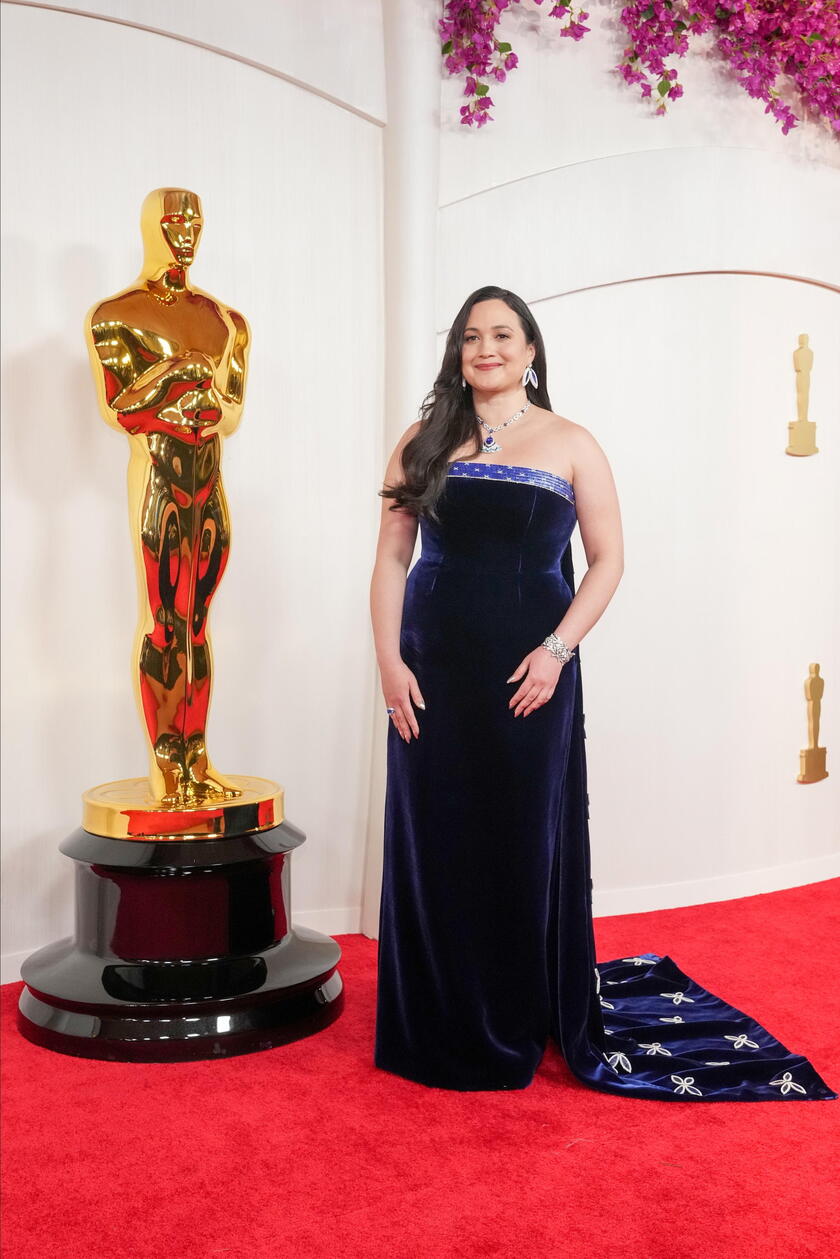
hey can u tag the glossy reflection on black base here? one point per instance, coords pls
(181, 951)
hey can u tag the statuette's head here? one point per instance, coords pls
(171, 222)
(803, 338)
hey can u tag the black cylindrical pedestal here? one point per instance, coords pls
(183, 949)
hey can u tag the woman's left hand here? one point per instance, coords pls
(541, 671)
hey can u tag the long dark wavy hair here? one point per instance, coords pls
(447, 417)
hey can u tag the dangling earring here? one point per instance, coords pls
(529, 376)
(463, 383)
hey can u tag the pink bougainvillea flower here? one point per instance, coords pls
(763, 41)
(575, 30)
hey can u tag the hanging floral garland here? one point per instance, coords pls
(760, 39)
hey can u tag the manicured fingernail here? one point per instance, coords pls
(423, 706)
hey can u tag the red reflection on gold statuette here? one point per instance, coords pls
(170, 364)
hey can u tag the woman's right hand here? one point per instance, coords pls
(400, 687)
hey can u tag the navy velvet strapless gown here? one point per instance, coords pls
(486, 944)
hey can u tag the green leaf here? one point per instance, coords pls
(648, 14)
(481, 89)
(447, 47)
(503, 47)
(679, 27)
(662, 86)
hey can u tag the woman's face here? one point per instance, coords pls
(494, 352)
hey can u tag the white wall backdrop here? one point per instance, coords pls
(331, 48)
(565, 106)
(96, 114)
(615, 225)
(693, 679)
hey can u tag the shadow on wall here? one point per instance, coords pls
(69, 550)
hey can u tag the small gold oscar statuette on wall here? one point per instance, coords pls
(812, 759)
(802, 435)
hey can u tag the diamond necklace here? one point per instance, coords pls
(489, 442)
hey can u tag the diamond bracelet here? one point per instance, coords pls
(557, 648)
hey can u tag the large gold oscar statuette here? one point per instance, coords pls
(184, 945)
(170, 364)
(802, 434)
(812, 759)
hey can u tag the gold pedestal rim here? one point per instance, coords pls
(127, 809)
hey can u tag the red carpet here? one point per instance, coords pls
(309, 1152)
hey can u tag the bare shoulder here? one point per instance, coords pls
(584, 450)
(411, 431)
(394, 470)
(574, 434)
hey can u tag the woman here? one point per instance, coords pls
(486, 944)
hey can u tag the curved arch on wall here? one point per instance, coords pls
(718, 211)
(626, 153)
(672, 275)
(268, 46)
(680, 275)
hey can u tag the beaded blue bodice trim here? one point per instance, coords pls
(513, 472)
